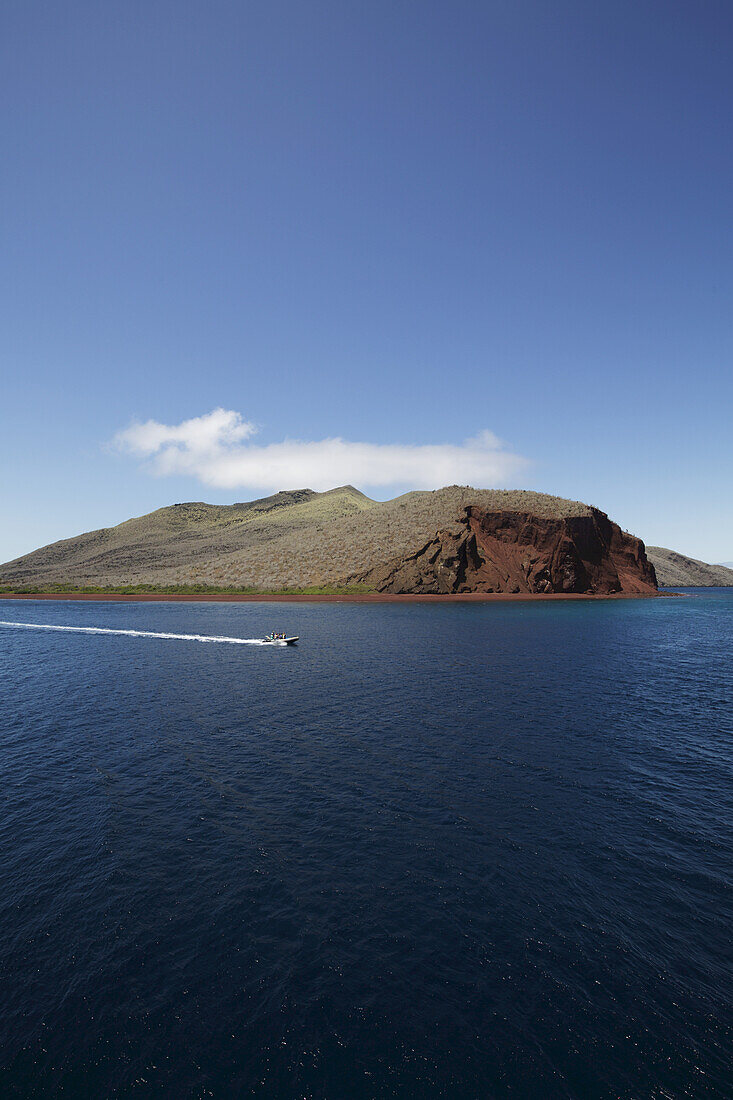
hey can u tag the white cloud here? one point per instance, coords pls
(201, 435)
(213, 448)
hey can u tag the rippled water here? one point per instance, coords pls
(437, 850)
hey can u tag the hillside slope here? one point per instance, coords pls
(677, 571)
(301, 538)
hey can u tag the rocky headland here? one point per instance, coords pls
(519, 552)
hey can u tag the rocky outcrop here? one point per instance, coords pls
(521, 553)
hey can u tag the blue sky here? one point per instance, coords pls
(392, 224)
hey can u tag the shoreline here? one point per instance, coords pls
(367, 597)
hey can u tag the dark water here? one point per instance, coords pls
(478, 851)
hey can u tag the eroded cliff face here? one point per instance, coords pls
(522, 553)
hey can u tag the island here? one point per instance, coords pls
(456, 541)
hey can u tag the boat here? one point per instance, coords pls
(279, 639)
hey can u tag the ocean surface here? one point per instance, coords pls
(447, 850)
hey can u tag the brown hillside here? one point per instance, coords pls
(677, 571)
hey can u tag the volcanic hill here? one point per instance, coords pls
(455, 539)
(677, 571)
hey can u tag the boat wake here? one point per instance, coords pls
(137, 633)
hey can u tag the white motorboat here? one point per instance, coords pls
(279, 639)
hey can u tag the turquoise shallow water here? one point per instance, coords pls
(436, 850)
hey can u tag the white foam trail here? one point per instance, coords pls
(138, 633)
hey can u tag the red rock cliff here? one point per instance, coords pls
(519, 552)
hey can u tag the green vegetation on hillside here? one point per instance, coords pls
(177, 590)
